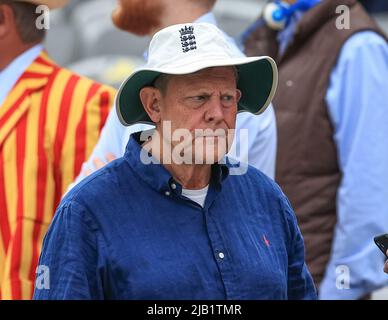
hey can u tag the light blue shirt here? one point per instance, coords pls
(11, 74)
(262, 138)
(357, 100)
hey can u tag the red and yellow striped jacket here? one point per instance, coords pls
(49, 124)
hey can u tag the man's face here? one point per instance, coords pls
(204, 103)
(140, 17)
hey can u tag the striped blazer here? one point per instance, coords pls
(49, 124)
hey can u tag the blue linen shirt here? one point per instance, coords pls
(126, 232)
(357, 101)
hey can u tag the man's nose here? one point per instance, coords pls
(215, 110)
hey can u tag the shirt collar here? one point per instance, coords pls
(11, 74)
(157, 176)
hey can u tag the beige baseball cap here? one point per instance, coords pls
(52, 4)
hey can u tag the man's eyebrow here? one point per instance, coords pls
(194, 91)
(202, 89)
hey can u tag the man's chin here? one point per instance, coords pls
(210, 156)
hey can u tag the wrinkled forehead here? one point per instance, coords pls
(215, 72)
(224, 75)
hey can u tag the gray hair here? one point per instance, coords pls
(25, 17)
(161, 82)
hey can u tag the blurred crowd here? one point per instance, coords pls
(88, 36)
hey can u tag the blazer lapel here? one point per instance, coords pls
(18, 100)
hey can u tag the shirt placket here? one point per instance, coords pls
(219, 248)
(221, 254)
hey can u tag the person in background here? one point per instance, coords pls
(375, 6)
(145, 18)
(50, 120)
(332, 114)
(167, 229)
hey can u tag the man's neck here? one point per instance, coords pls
(7, 56)
(180, 12)
(190, 176)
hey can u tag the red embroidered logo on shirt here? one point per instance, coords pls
(266, 241)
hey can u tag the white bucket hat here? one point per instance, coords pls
(188, 48)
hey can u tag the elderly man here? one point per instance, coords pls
(146, 18)
(172, 229)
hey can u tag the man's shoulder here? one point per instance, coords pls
(264, 191)
(94, 88)
(70, 83)
(44, 60)
(364, 38)
(100, 185)
(254, 179)
(94, 198)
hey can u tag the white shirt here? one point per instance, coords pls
(261, 144)
(198, 196)
(11, 74)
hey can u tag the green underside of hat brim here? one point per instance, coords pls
(257, 81)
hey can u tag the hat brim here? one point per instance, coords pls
(258, 78)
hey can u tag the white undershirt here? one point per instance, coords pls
(197, 196)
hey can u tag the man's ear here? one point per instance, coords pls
(238, 96)
(150, 97)
(7, 20)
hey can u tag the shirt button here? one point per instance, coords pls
(221, 255)
(289, 83)
(173, 186)
(167, 193)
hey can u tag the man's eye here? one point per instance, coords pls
(199, 98)
(227, 98)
